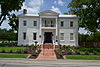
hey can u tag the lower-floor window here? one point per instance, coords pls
(61, 36)
(24, 35)
(71, 36)
(34, 36)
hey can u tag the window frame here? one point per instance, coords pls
(35, 23)
(71, 23)
(24, 23)
(24, 35)
(62, 23)
(62, 37)
(34, 36)
(71, 37)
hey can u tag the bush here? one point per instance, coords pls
(3, 51)
(69, 53)
(11, 51)
(7, 44)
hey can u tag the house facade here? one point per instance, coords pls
(48, 27)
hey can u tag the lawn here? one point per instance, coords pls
(13, 55)
(78, 57)
(8, 49)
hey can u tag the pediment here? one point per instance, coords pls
(48, 13)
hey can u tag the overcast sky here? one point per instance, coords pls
(36, 6)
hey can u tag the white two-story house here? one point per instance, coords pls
(48, 27)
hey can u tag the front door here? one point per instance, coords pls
(47, 37)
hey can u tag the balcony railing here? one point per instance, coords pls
(48, 25)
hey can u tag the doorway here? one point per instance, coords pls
(48, 37)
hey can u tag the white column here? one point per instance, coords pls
(40, 35)
(56, 32)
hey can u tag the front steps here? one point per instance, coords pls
(47, 52)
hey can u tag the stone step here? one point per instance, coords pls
(47, 53)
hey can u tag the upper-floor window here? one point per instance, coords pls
(71, 23)
(61, 36)
(62, 23)
(34, 36)
(24, 35)
(71, 36)
(35, 23)
(24, 23)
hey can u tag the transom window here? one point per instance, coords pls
(35, 23)
(71, 36)
(61, 36)
(24, 23)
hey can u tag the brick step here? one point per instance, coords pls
(47, 52)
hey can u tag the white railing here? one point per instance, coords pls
(48, 25)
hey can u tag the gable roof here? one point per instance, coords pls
(48, 13)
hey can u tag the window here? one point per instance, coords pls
(71, 23)
(34, 36)
(62, 23)
(35, 23)
(24, 23)
(24, 35)
(71, 36)
(61, 36)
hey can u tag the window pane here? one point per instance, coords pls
(62, 23)
(35, 23)
(62, 36)
(34, 36)
(24, 35)
(71, 36)
(24, 23)
(71, 23)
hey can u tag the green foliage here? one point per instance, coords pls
(95, 37)
(88, 12)
(7, 35)
(13, 55)
(7, 44)
(13, 22)
(11, 49)
(83, 57)
(80, 51)
(7, 6)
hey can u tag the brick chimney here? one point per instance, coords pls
(24, 11)
(71, 12)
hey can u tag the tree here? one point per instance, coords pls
(7, 6)
(13, 22)
(7, 35)
(88, 12)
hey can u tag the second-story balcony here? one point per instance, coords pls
(48, 25)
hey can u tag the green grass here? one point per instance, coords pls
(14, 49)
(77, 57)
(13, 55)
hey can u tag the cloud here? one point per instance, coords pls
(55, 9)
(33, 6)
(59, 2)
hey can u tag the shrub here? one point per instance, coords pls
(69, 53)
(11, 51)
(3, 51)
(7, 44)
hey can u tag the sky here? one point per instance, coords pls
(36, 6)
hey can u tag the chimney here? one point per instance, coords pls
(24, 11)
(71, 12)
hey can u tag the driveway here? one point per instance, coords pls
(48, 63)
